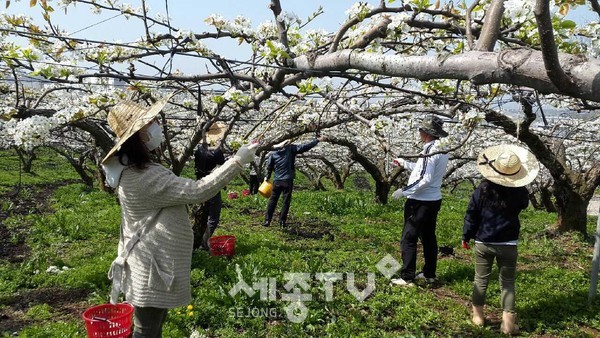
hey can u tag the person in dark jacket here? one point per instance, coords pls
(282, 161)
(209, 213)
(492, 220)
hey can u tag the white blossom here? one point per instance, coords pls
(358, 9)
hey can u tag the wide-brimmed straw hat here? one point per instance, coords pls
(127, 117)
(508, 165)
(433, 126)
(215, 132)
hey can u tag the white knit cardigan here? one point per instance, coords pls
(157, 271)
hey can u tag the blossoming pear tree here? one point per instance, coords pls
(462, 62)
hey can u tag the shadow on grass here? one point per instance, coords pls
(558, 311)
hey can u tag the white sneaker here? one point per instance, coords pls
(420, 276)
(401, 282)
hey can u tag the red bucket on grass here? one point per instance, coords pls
(108, 320)
(222, 245)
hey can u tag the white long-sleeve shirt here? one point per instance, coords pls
(425, 181)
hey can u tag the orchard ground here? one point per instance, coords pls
(55, 221)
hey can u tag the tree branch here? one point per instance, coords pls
(549, 49)
(468, 28)
(520, 67)
(491, 26)
(275, 6)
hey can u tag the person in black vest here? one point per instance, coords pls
(209, 214)
(253, 181)
(282, 161)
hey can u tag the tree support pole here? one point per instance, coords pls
(595, 264)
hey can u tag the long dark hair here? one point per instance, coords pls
(496, 196)
(136, 152)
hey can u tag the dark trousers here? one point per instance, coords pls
(253, 184)
(420, 219)
(206, 220)
(280, 188)
(148, 322)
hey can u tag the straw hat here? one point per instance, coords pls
(508, 165)
(215, 132)
(433, 126)
(127, 117)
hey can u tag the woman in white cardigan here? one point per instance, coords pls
(155, 247)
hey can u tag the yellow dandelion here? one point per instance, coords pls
(191, 313)
(190, 307)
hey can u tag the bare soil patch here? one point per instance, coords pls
(65, 303)
(311, 228)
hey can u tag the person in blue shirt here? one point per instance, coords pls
(492, 220)
(424, 199)
(282, 161)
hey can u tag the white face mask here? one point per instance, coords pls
(153, 137)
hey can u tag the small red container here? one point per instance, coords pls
(246, 192)
(222, 245)
(108, 320)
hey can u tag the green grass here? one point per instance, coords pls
(47, 168)
(79, 230)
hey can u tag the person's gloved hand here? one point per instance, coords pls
(398, 162)
(466, 245)
(246, 153)
(397, 194)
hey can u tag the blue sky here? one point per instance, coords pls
(186, 15)
(189, 15)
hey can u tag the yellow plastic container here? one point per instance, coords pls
(265, 189)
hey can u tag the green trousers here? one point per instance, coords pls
(506, 257)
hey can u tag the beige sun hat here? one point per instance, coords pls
(215, 132)
(127, 117)
(508, 165)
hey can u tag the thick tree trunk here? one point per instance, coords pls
(336, 178)
(546, 199)
(382, 182)
(26, 158)
(77, 164)
(572, 209)
(382, 189)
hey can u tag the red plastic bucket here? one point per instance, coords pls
(108, 320)
(222, 245)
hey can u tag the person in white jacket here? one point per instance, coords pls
(155, 247)
(424, 199)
